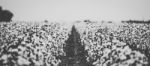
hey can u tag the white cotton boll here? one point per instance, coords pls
(121, 43)
(138, 46)
(115, 41)
(23, 42)
(37, 63)
(29, 45)
(139, 64)
(130, 61)
(49, 38)
(96, 62)
(107, 44)
(22, 61)
(32, 56)
(107, 50)
(122, 56)
(20, 36)
(56, 62)
(86, 47)
(40, 63)
(138, 54)
(4, 57)
(114, 47)
(127, 50)
(13, 50)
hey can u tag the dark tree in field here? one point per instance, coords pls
(5, 15)
(75, 53)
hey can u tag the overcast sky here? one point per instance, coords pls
(38, 10)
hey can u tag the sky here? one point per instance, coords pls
(70, 10)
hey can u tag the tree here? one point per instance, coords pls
(5, 15)
(75, 52)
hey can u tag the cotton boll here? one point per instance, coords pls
(127, 50)
(5, 58)
(130, 61)
(122, 56)
(113, 47)
(106, 51)
(22, 61)
(139, 64)
(115, 41)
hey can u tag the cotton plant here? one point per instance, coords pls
(46, 40)
(103, 51)
(120, 56)
(34, 43)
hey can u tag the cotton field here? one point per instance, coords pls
(105, 44)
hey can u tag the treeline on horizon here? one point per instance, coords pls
(137, 21)
(125, 21)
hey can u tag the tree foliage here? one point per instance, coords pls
(5, 15)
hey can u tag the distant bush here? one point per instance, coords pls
(5, 15)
